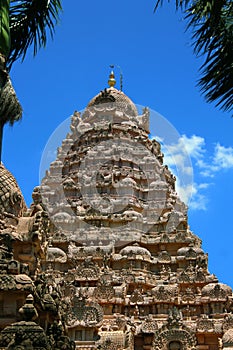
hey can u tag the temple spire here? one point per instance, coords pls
(111, 80)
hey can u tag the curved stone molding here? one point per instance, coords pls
(164, 336)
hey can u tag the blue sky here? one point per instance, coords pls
(159, 71)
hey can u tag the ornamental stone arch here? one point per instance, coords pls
(170, 339)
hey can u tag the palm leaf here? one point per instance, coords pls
(211, 22)
(4, 28)
(30, 23)
(179, 4)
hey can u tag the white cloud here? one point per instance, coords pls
(179, 157)
(180, 154)
(223, 157)
(177, 161)
(204, 185)
(184, 192)
(199, 199)
(199, 202)
(192, 195)
(194, 145)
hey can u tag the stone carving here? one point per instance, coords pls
(227, 339)
(190, 254)
(174, 219)
(104, 97)
(165, 272)
(104, 290)
(56, 255)
(109, 345)
(11, 198)
(105, 243)
(136, 297)
(204, 324)
(216, 291)
(87, 270)
(184, 277)
(149, 325)
(80, 313)
(114, 98)
(10, 282)
(20, 341)
(47, 293)
(25, 334)
(57, 339)
(228, 322)
(164, 257)
(200, 276)
(174, 331)
(165, 293)
(188, 294)
(135, 250)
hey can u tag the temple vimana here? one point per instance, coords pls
(104, 257)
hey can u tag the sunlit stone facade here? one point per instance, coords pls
(104, 257)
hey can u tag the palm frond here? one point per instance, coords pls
(211, 22)
(179, 4)
(30, 23)
(4, 28)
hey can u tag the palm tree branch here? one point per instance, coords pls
(179, 4)
(211, 23)
(30, 22)
(4, 28)
(213, 38)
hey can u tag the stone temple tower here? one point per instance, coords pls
(105, 250)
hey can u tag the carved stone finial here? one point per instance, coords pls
(28, 310)
(111, 80)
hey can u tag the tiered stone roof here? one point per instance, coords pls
(111, 258)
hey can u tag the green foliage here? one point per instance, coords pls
(179, 4)
(22, 23)
(211, 23)
(30, 23)
(4, 28)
